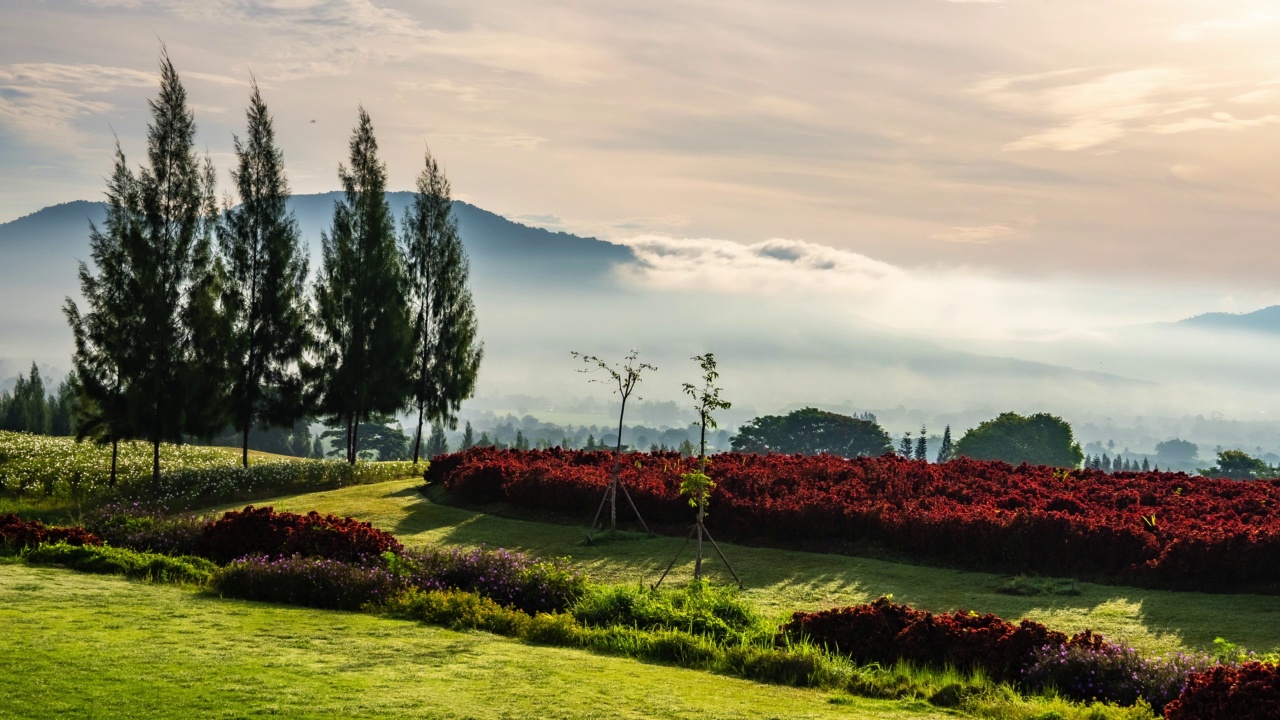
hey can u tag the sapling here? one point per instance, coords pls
(625, 376)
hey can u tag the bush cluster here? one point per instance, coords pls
(16, 534)
(263, 531)
(698, 609)
(1112, 672)
(310, 581)
(886, 632)
(1248, 692)
(122, 561)
(1163, 527)
(146, 528)
(511, 579)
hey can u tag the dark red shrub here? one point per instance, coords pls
(1167, 527)
(16, 533)
(262, 531)
(885, 632)
(1248, 692)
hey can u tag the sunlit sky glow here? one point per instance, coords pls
(1059, 164)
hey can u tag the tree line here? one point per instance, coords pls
(197, 315)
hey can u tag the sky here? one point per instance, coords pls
(1029, 179)
(1119, 140)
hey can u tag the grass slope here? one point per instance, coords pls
(781, 581)
(80, 645)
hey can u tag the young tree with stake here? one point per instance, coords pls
(625, 378)
(698, 484)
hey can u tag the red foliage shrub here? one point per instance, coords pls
(1248, 692)
(885, 632)
(1171, 527)
(262, 531)
(16, 533)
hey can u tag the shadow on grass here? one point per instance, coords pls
(781, 581)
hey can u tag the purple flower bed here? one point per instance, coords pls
(509, 578)
(1112, 672)
(313, 582)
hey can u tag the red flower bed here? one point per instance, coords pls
(1170, 527)
(884, 632)
(262, 531)
(1248, 692)
(16, 533)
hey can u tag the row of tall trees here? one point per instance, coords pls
(33, 408)
(198, 317)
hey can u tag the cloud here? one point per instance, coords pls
(1096, 111)
(1217, 121)
(981, 235)
(1193, 31)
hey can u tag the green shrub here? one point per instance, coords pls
(122, 561)
(698, 608)
(458, 610)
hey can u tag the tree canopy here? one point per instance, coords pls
(1040, 439)
(1238, 465)
(812, 431)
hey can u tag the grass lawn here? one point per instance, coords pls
(781, 581)
(91, 646)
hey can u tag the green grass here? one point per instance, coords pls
(104, 647)
(782, 581)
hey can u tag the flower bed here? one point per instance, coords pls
(16, 534)
(1168, 527)
(262, 531)
(1248, 692)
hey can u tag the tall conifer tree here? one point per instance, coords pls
(104, 357)
(363, 323)
(446, 350)
(173, 384)
(265, 288)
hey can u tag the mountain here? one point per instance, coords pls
(540, 294)
(47, 244)
(1266, 320)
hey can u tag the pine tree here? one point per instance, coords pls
(265, 289)
(591, 442)
(905, 445)
(64, 407)
(103, 355)
(28, 410)
(364, 331)
(468, 440)
(437, 444)
(173, 370)
(317, 449)
(446, 351)
(484, 440)
(1146, 466)
(520, 441)
(922, 445)
(944, 448)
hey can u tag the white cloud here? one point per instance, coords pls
(980, 235)
(1250, 20)
(1217, 121)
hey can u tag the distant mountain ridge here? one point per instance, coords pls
(1266, 320)
(49, 241)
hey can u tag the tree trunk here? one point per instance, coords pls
(617, 458)
(355, 441)
(115, 454)
(697, 562)
(244, 455)
(155, 469)
(417, 438)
